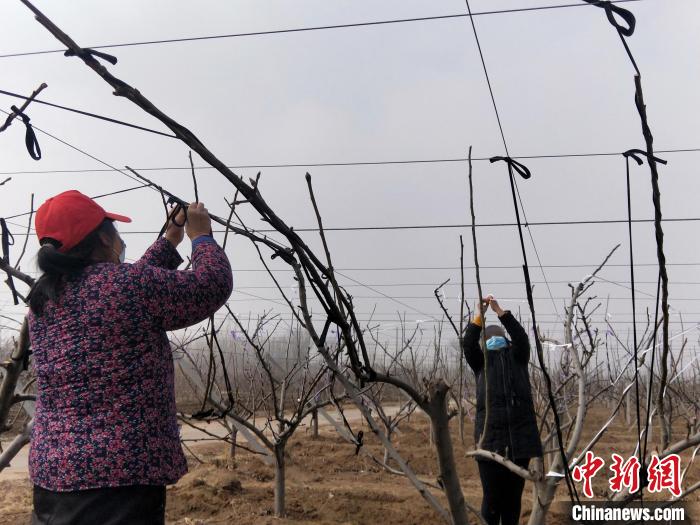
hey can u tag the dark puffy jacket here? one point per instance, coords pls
(512, 426)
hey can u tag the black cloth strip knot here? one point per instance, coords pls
(91, 52)
(8, 240)
(520, 168)
(611, 10)
(30, 140)
(634, 153)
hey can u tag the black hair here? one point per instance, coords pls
(57, 266)
(494, 330)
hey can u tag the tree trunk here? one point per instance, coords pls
(232, 451)
(279, 480)
(16, 445)
(440, 432)
(461, 421)
(538, 516)
(542, 496)
(13, 369)
(314, 424)
(386, 450)
(628, 407)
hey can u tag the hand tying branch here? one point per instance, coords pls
(491, 301)
(175, 231)
(487, 301)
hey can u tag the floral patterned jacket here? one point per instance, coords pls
(105, 412)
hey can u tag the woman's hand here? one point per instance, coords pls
(198, 221)
(480, 310)
(495, 306)
(173, 232)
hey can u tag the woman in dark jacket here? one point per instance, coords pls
(105, 441)
(511, 427)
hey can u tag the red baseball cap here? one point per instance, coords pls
(69, 217)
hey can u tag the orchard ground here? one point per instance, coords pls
(328, 484)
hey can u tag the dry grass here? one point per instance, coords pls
(327, 483)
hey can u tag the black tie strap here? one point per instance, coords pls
(30, 139)
(87, 51)
(521, 169)
(7, 241)
(634, 153)
(611, 10)
(623, 31)
(637, 155)
(179, 205)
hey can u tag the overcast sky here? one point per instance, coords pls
(408, 91)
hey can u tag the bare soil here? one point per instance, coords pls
(328, 484)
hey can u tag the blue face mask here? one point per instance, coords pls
(496, 342)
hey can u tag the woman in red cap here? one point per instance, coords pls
(105, 441)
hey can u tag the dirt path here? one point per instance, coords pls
(328, 484)
(18, 469)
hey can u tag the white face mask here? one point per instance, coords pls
(122, 254)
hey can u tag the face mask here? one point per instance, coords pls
(496, 342)
(122, 254)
